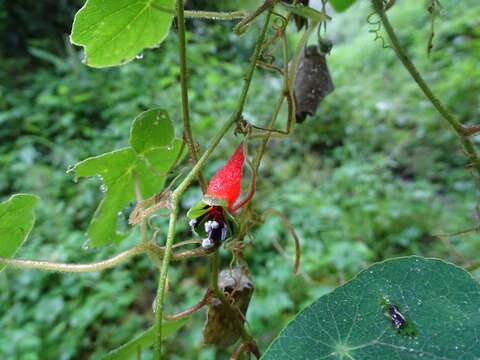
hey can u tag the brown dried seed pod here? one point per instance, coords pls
(312, 83)
(222, 327)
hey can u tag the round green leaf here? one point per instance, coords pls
(113, 32)
(16, 221)
(150, 130)
(439, 300)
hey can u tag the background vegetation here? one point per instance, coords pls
(375, 174)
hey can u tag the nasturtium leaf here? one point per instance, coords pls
(342, 5)
(150, 130)
(113, 32)
(307, 12)
(439, 300)
(16, 221)
(131, 349)
(120, 171)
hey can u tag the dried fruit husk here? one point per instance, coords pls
(312, 83)
(223, 326)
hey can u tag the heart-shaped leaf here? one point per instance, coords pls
(364, 319)
(113, 32)
(16, 221)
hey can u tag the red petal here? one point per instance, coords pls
(227, 182)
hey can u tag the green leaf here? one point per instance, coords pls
(150, 130)
(130, 350)
(16, 221)
(341, 5)
(307, 12)
(439, 300)
(119, 171)
(113, 32)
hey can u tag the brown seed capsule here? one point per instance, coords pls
(312, 83)
(223, 325)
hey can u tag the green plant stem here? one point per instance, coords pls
(64, 267)
(460, 130)
(214, 15)
(214, 270)
(182, 54)
(229, 15)
(242, 25)
(175, 198)
(152, 249)
(299, 49)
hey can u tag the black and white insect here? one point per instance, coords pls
(400, 321)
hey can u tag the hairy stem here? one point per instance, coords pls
(229, 15)
(186, 182)
(214, 15)
(214, 270)
(153, 250)
(64, 267)
(182, 54)
(192, 309)
(461, 131)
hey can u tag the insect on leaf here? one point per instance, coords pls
(440, 300)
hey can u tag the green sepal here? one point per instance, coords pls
(197, 210)
(214, 201)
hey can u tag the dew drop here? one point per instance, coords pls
(103, 188)
(139, 56)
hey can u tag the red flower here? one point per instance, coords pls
(212, 217)
(227, 182)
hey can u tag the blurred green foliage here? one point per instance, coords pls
(376, 173)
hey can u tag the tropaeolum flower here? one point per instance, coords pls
(212, 218)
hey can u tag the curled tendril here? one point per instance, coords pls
(160, 201)
(140, 212)
(279, 26)
(376, 30)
